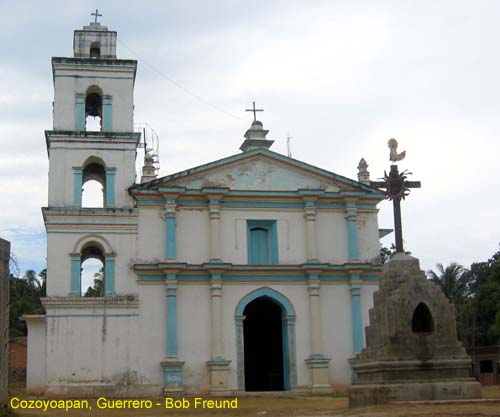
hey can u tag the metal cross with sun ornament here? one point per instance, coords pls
(396, 188)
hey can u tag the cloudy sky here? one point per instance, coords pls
(341, 77)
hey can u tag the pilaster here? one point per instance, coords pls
(214, 196)
(172, 367)
(317, 363)
(75, 283)
(310, 218)
(357, 322)
(80, 112)
(107, 114)
(218, 366)
(110, 187)
(170, 227)
(109, 275)
(77, 186)
(352, 229)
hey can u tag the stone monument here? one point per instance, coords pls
(412, 351)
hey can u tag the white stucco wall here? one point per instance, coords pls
(368, 241)
(64, 157)
(76, 80)
(61, 245)
(193, 239)
(36, 377)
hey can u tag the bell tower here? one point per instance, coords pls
(92, 142)
(92, 120)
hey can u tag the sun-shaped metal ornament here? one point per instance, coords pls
(395, 184)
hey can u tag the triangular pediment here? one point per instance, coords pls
(260, 170)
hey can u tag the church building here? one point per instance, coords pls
(254, 272)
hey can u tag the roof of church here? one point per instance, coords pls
(172, 179)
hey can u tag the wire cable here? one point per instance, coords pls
(180, 86)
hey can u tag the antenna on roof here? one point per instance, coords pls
(289, 145)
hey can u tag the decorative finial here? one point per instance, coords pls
(96, 14)
(254, 110)
(363, 174)
(394, 156)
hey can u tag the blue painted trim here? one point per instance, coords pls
(110, 187)
(286, 354)
(257, 198)
(285, 304)
(77, 186)
(272, 235)
(352, 234)
(357, 322)
(75, 284)
(172, 374)
(109, 276)
(171, 310)
(171, 238)
(107, 114)
(270, 204)
(80, 112)
(288, 325)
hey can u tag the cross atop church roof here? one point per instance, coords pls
(254, 111)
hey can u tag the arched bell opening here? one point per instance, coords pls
(93, 109)
(92, 269)
(422, 321)
(95, 50)
(93, 183)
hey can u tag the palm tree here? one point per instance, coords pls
(453, 281)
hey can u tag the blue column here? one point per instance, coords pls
(80, 112)
(357, 322)
(171, 316)
(77, 186)
(107, 114)
(75, 285)
(171, 246)
(352, 230)
(109, 276)
(110, 187)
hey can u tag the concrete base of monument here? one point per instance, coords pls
(371, 394)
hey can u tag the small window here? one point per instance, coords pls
(422, 321)
(262, 241)
(486, 367)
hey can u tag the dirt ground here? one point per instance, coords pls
(301, 406)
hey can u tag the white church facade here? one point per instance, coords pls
(251, 273)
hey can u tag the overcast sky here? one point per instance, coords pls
(341, 77)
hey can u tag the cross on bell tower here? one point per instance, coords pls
(96, 14)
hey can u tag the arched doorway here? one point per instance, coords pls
(263, 345)
(265, 341)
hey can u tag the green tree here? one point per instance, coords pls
(454, 281)
(485, 288)
(387, 253)
(25, 294)
(97, 289)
